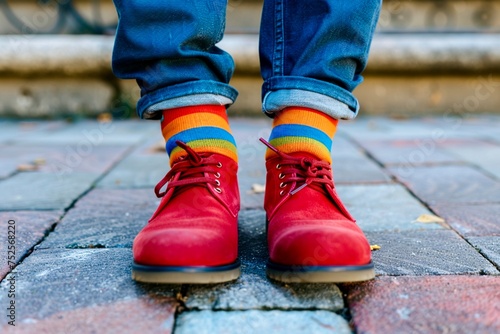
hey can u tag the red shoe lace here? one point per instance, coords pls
(301, 170)
(190, 167)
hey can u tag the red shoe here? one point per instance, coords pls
(193, 235)
(311, 235)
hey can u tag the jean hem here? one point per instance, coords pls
(282, 92)
(150, 105)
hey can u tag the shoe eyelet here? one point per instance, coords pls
(218, 190)
(278, 166)
(281, 176)
(217, 182)
(217, 175)
(282, 185)
(282, 193)
(219, 164)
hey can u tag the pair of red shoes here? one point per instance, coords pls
(193, 235)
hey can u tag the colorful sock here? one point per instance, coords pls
(204, 128)
(297, 129)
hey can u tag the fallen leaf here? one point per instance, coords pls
(158, 148)
(181, 298)
(429, 219)
(258, 188)
(374, 247)
(27, 168)
(104, 117)
(39, 161)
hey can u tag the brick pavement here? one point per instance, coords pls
(79, 192)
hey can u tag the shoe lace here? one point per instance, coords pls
(192, 169)
(301, 170)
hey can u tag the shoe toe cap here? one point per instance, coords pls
(184, 247)
(320, 246)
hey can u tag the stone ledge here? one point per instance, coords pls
(78, 55)
(62, 55)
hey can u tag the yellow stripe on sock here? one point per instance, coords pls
(300, 144)
(207, 145)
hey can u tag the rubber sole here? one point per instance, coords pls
(320, 274)
(186, 275)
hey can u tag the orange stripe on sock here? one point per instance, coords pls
(195, 120)
(306, 116)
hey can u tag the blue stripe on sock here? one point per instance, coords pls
(204, 132)
(297, 130)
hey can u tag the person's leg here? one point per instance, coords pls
(169, 48)
(312, 56)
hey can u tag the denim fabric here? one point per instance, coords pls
(315, 46)
(169, 48)
(312, 53)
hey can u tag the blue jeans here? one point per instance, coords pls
(312, 53)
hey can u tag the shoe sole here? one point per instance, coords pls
(186, 275)
(320, 274)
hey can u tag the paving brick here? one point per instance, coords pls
(30, 227)
(483, 154)
(384, 207)
(488, 246)
(449, 184)
(351, 165)
(104, 218)
(247, 130)
(11, 131)
(58, 286)
(143, 168)
(350, 170)
(141, 315)
(243, 322)
(102, 200)
(432, 128)
(7, 168)
(43, 191)
(251, 158)
(408, 152)
(112, 133)
(247, 178)
(253, 290)
(472, 220)
(427, 253)
(381, 128)
(437, 304)
(251, 171)
(61, 159)
(12, 156)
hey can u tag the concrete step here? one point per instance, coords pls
(75, 55)
(244, 16)
(49, 75)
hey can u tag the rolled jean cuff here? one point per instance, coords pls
(151, 104)
(283, 92)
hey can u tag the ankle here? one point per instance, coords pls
(204, 128)
(297, 129)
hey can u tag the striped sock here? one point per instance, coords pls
(204, 128)
(297, 129)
